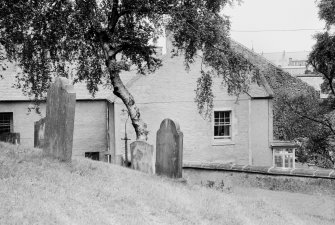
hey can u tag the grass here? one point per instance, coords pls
(39, 190)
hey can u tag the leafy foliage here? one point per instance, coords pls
(326, 11)
(204, 94)
(298, 113)
(94, 40)
(320, 143)
(322, 58)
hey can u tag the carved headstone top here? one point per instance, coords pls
(169, 149)
(59, 123)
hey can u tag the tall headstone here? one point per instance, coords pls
(59, 121)
(142, 155)
(169, 149)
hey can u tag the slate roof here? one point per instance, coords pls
(276, 78)
(270, 75)
(151, 86)
(9, 93)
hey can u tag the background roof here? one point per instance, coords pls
(282, 58)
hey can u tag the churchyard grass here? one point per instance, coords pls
(39, 190)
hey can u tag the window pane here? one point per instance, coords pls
(291, 162)
(227, 120)
(226, 130)
(216, 131)
(221, 132)
(286, 161)
(226, 114)
(278, 161)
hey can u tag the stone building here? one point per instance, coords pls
(91, 132)
(240, 129)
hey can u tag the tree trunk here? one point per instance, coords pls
(134, 113)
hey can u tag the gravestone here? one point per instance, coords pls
(169, 149)
(142, 156)
(39, 127)
(59, 121)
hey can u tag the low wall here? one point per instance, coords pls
(297, 172)
(226, 177)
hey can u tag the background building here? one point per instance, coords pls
(295, 63)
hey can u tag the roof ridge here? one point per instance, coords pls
(264, 81)
(286, 52)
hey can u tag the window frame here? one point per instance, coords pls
(283, 152)
(11, 127)
(223, 140)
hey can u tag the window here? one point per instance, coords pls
(92, 155)
(222, 124)
(284, 158)
(6, 122)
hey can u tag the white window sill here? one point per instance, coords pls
(283, 168)
(218, 142)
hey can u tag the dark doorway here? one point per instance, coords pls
(92, 155)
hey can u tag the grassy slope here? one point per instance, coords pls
(37, 190)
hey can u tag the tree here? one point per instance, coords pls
(299, 114)
(102, 38)
(322, 57)
(308, 121)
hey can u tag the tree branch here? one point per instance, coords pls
(114, 16)
(330, 82)
(326, 123)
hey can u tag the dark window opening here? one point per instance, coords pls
(6, 123)
(92, 155)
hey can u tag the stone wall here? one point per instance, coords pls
(90, 127)
(267, 170)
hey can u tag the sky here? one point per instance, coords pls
(260, 15)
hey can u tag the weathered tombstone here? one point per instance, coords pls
(142, 156)
(169, 149)
(39, 127)
(59, 121)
